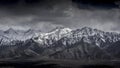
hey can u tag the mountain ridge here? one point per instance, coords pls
(62, 43)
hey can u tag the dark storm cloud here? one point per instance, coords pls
(97, 3)
(47, 14)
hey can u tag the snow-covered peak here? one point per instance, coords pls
(91, 36)
(19, 34)
(55, 34)
(60, 29)
(10, 31)
(87, 31)
(57, 30)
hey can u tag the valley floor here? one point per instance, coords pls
(53, 63)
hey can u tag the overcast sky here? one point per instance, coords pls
(47, 14)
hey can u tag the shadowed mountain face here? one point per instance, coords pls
(60, 43)
(114, 49)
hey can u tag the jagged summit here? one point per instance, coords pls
(55, 35)
(57, 28)
(10, 31)
(58, 31)
(88, 29)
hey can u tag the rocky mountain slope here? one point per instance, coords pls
(60, 43)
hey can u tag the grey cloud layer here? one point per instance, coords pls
(63, 14)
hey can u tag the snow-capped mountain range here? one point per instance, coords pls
(61, 42)
(70, 36)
